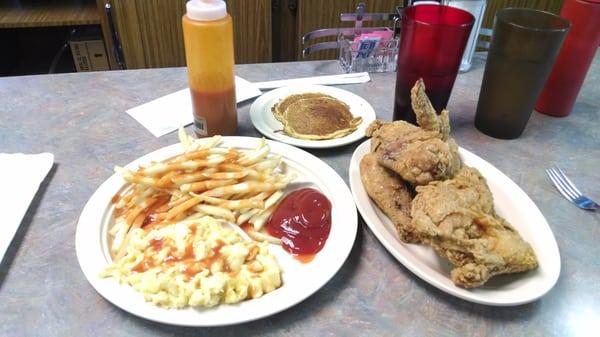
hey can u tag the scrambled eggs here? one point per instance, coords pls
(195, 263)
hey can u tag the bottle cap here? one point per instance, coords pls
(206, 10)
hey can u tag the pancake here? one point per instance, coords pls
(280, 107)
(318, 118)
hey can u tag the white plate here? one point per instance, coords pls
(299, 280)
(264, 121)
(510, 202)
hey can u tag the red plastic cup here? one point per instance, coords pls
(574, 59)
(432, 42)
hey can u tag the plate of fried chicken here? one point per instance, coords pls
(449, 216)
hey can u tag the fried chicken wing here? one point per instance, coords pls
(418, 154)
(457, 218)
(390, 193)
(425, 113)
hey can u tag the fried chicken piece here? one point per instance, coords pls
(422, 162)
(425, 113)
(457, 218)
(418, 154)
(384, 133)
(390, 193)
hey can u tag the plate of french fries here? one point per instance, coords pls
(237, 182)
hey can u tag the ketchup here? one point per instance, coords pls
(302, 221)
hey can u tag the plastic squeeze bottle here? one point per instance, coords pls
(208, 39)
(574, 59)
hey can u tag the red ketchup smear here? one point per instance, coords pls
(302, 221)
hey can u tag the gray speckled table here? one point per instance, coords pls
(81, 119)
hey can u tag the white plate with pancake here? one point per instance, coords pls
(510, 202)
(92, 246)
(264, 121)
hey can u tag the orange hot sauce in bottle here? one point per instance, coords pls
(208, 39)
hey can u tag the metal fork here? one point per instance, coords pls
(569, 191)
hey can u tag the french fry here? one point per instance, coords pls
(227, 175)
(195, 216)
(156, 169)
(193, 177)
(207, 143)
(134, 178)
(260, 237)
(192, 155)
(237, 196)
(184, 206)
(203, 153)
(228, 157)
(184, 139)
(231, 167)
(180, 216)
(273, 199)
(145, 205)
(245, 187)
(144, 192)
(160, 216)
(166, 180)
(190, 144)
(133, 214)
(231, 204)
(258, 176)
(255, 156)
(215, 211)
(207, 185)
(267, 165)
(175, 194)
(124, 199)
(118, 232)
(136, 223)
(177, 200)
(270, 202)
(245, 216)
(259, 219)
(261, 196)
(187, 165)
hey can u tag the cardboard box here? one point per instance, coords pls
(89, 55)
(80, 55)
(97, 55)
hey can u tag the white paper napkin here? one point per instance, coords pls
(20, 178)
(166, 114)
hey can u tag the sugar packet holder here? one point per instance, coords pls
(360, 49)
